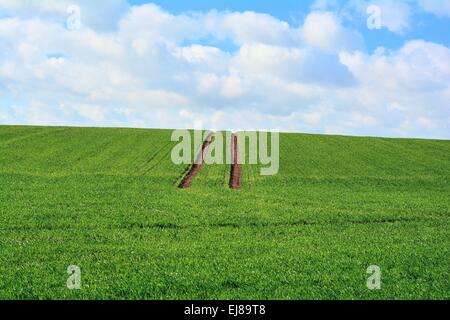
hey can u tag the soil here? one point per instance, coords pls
(197, 166)
(236, 168)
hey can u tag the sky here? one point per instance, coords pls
(365, 68)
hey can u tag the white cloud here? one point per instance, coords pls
(100, 14)
(248, 27)
(438, 7)
(418, 66)
(426, 123)
(361, 120)
(157, 69)
(413, 83)
(323, 30)
(200, 54)
(396, 16)
(312, 118)
(325, 5)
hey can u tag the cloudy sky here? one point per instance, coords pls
(319, 66)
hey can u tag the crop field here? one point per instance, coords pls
(107, 200)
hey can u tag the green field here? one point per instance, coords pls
(106, 200)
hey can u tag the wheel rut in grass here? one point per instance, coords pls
(198, 164)
(236, 167)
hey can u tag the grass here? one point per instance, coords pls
(105, 200)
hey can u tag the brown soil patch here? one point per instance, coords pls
(236, 168)
(197, 166)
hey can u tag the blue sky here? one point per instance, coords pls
(286, 10)
(307, 66)
(425, 25)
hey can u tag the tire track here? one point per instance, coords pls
(236, 168)
(198, 164)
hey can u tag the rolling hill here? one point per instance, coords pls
(107, 201)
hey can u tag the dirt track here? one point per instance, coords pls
(197, 166)
(236, 168)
